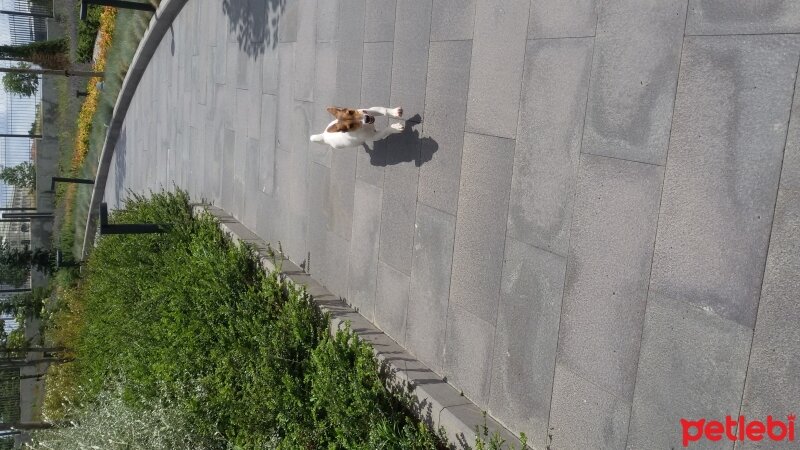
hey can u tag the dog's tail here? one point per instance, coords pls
(316, 138)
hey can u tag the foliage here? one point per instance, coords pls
(21, 83)
(190, 317)
(484, 441)
(26, 304)
(22, 175)
(87, 33)
(27, 51)
(16, 263)
(111, 423)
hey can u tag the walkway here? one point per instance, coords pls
(591, 225)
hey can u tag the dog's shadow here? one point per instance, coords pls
(403, 147)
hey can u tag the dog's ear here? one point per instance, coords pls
(337, 127)
(332, 110)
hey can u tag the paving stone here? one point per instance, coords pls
(692, 366)
(452, 20)
(399, 201)
(364, 248)
(305, 48)
(481, 224)
(325, 95)
(494, 94)
(287, 21)
(526, 339)
(343, 178)
(327, 20)
(635, 70)
(468, 353)
(562, 19)
(611, 247)
(251, 179)
(410, 61)
(266, 172)
(585, 416)
(350, 50)
(229, 145)
(554, 90)
(319, 213)
(391, 302)
(269, 70)
(430, 285)
(742, 17)
(285, 95)
(379, 20)
(375, 91)
(445, 114)
(336, 249)
(722, 176)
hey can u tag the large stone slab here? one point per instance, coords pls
(319, 212)
(350, 50)
(585, 416)
(445, 114)
(430, 285)
(375, 91)
(285, 95)
(772, 387)
(400, 200)
(343, 179)
(328, 11)
(554, 90)
(743, 17)
(391, 302)
(722, 176)
(481, 224)
(324, 96)
(266, 171)
(468, 354)
(499, 42)
(634, 73)
(305, 48)
(526, 339)
(410, 63)
(452, 20)
(611, 249)
(692, 366)
(379, 20)
(367, 206)
(559, 19)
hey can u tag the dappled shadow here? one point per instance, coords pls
(403, 147)
(255, 23)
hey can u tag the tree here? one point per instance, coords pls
(23, 175)
(15, 263)
(21, 83)
(50, 54)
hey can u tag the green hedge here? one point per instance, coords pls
(192, 317)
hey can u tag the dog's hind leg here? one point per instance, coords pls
(396, 113)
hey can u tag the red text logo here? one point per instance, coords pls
(738, 430)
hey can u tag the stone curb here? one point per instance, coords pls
(159, 24)
(440, 404)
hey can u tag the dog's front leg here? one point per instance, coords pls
(396, 113)
(391, 129)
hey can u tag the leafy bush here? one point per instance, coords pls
(87, 33)
(189, 317)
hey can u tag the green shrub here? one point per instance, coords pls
(87, 33)
(189, 317)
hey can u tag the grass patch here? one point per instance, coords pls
(189, 320)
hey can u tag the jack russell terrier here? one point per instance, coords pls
(354, 127)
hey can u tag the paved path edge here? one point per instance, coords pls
(161, 21)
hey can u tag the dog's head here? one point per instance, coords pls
(348, 119)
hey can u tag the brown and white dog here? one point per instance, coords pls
(354, 127)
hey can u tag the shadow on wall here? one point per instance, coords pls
(403, 147)
(255, 23)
